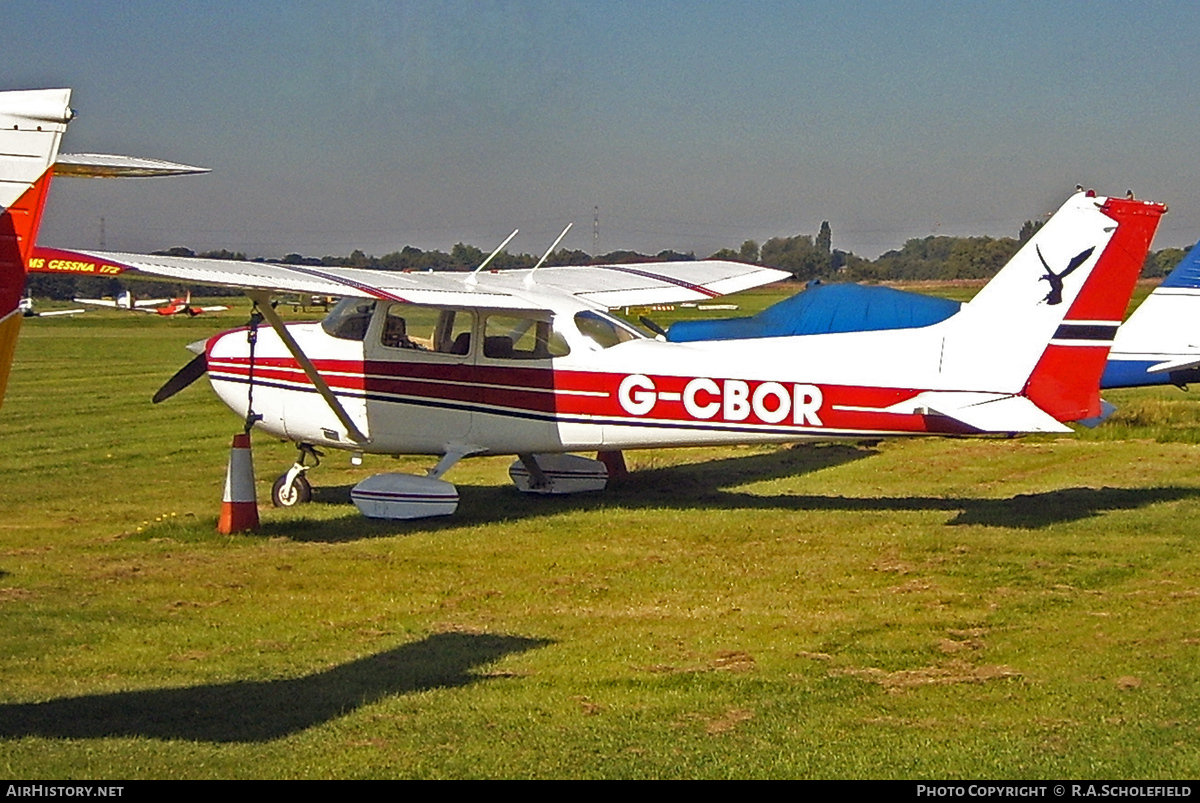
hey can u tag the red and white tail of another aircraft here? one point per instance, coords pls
(31, 127)
(32, 123)
(530, 362)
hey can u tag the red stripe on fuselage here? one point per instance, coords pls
(587, 395)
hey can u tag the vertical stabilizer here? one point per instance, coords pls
(1160, 342)
(31, 127)
(1043, 326)
(1066, 381)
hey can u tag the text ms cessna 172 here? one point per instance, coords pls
(531, 363)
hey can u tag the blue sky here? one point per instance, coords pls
(691, 125)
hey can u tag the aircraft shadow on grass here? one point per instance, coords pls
(701, 486)
(259, 711)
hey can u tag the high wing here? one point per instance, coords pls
(601, 285)
(139, 305)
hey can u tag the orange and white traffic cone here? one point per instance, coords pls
(239, 506)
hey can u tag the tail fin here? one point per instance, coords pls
(1043, 327)
(31, 127)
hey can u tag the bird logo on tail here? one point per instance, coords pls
(1056, 279)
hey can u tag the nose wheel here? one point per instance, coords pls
(290, 494)
(293, 487)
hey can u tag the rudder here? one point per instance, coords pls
(31, 128)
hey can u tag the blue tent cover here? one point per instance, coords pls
(824, 309)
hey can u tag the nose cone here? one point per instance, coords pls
(248, 387)
(231, 346)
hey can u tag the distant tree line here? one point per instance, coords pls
(805, 256)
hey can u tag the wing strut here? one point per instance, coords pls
(263, 299)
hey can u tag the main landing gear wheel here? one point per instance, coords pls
(285, 494)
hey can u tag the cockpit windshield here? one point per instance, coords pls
(349, 318)
(603, 330)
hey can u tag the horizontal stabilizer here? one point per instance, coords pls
(108, 165)
(986, 412)
(1106, 411)
(1181, 364)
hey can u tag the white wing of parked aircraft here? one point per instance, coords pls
(125, 301)
(604, 286)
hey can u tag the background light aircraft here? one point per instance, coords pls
(529, 362)
(126, 301)
(181, 305)
(28, 311)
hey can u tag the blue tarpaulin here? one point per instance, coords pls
(824, 309)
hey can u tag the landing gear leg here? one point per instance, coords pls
(453, 455)
(538, 481)
(293, 488)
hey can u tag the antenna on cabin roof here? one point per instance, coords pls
(545, 256)
(473, 278)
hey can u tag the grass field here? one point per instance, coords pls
(925, 609)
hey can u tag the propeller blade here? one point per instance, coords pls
(183, 377)
(652, 326)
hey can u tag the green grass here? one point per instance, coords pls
(920, 608)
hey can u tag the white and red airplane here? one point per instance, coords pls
(531, 363)
(180, 305)
(124, 300)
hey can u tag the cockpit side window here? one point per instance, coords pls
(513, 337)
(429, 329)
(395, 331)
(602, 330)
(349, 318)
